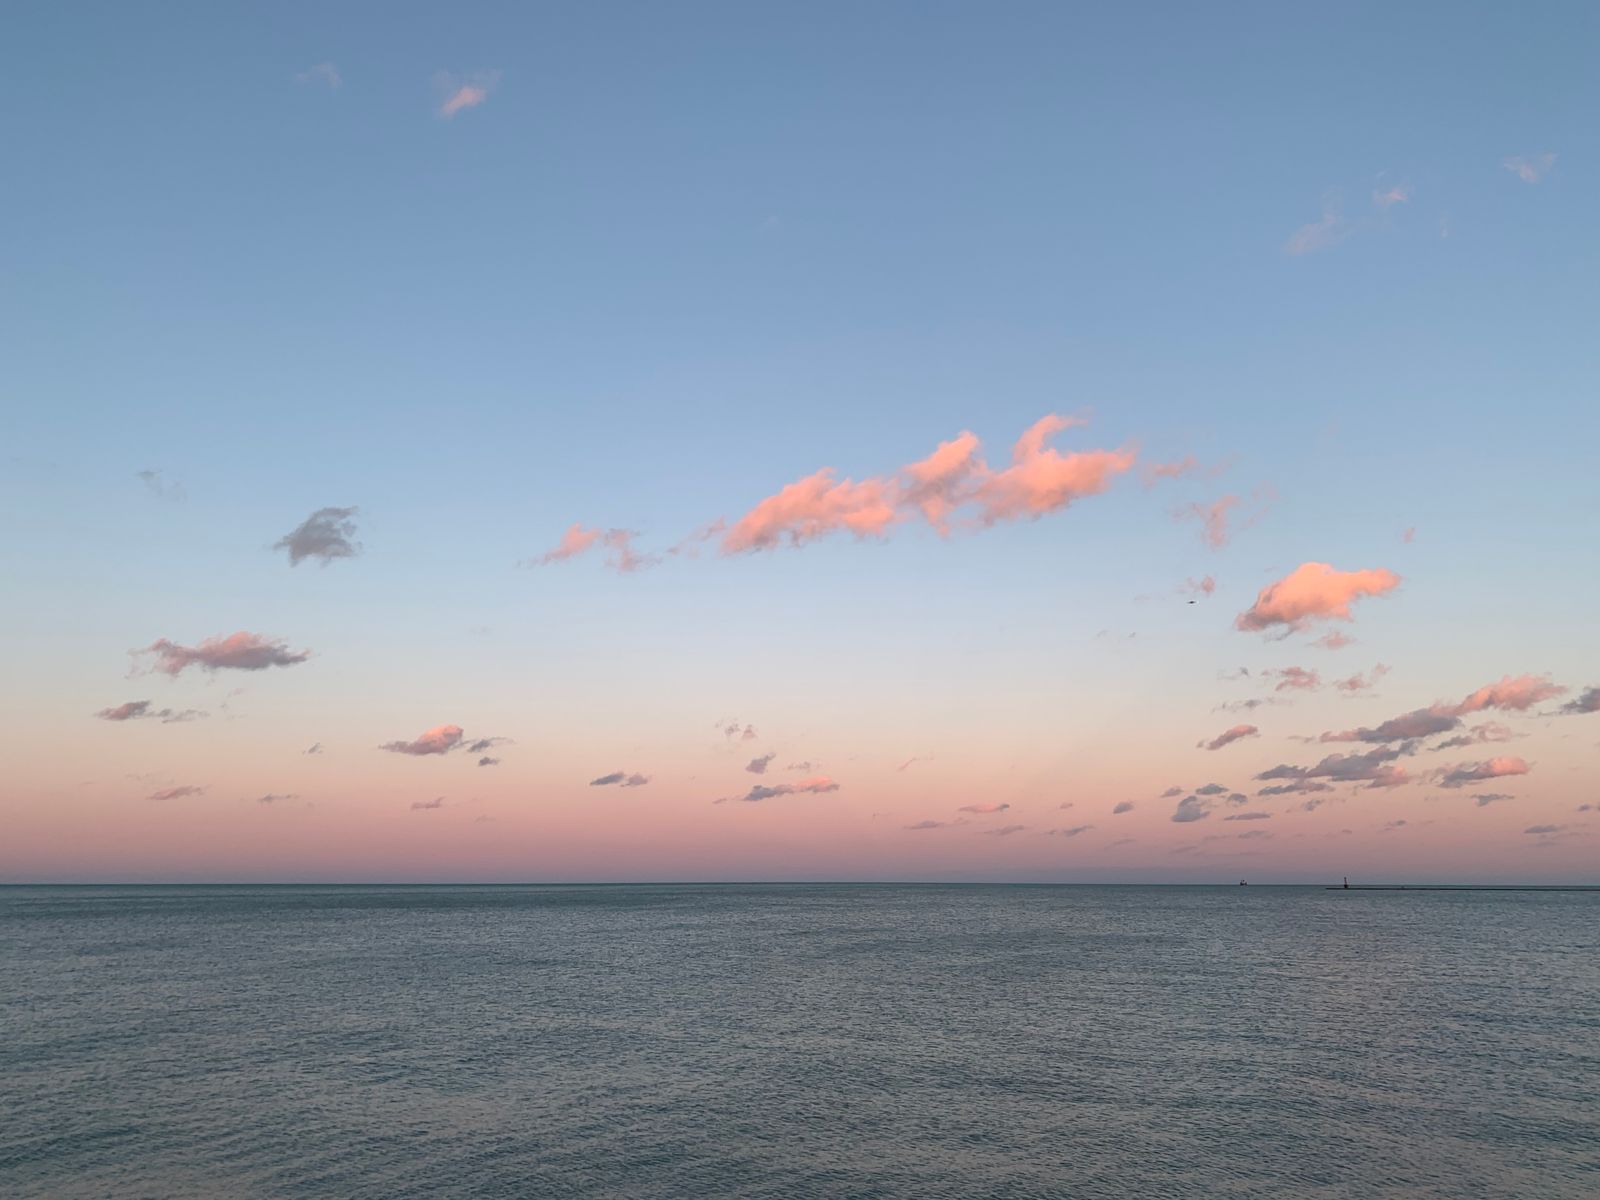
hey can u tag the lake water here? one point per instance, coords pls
(798, 1041)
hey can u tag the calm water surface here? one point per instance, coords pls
(822, 1041)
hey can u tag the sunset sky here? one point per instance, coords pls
(727, 441)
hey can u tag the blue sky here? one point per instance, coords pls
(680, 256)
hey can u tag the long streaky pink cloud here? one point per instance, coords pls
(441, 739)
(240, 651)
(1515, 693)
(1499, 767)
(952, 480)
(1228, 736)
(1313, 591)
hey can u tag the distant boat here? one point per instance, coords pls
(1242, 883)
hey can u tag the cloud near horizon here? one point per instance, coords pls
(240, 651)
(1465, 774)
(622, 779)
(815, 786)
(176, 793)
(1373, 769)
(327, 534)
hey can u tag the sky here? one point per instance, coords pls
(730, 442)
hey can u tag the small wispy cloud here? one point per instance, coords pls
(758, 766)
(1228, 737)
(176, 793)
(423, 805)
(1390, 196)
(621, 779)
(274, 797)
(1003, 830)
(1073, 832)
(1529, 168)
(327, 534)
(984, 808)
(140, 710)
(1320, 234)
(1123, 806)
(618, 543)
(815, 786)
(324, 73)
(462, 93)
(157, 484)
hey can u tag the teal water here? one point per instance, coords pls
(798, 1041)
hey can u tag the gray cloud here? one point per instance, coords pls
(1192, 808)
(1248, 816)
(176, 793)
(274, 797)
(1125, 806)
(762, 791)
(486, 761)
(326, 534)
(621, 778)
(1003, 831)
(758, 766)
(421, 805)
(140, 710)
(1073, 832)
(1375, 769)
(1484, 799)
(1587, 701)
(159, 486)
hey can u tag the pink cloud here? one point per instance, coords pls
(1318, 234)
(237, 652)
(1152, 472)
(1360, 683)
(1204, 586)
(1518, 693)
(1295, 679)
(1387, 198)
(441, 739)
(1213, 518)
(1530, 169)
(1464, 774)
(1408, 534)
(936, 485)
(577, 540)
(464, 95)
(1334, 640)
(1228, 736)
(811, 508)
(1041, 480)
(1313, 591)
